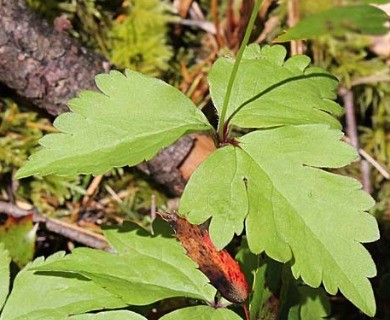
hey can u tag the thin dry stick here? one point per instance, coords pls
(265, 5)
(92, 188)
(77, 234)
(122, 194)
(14, 211)
(153, 207)
(347, 96)
(293, 18)
(350, 117)
(152, 212)
(372, 161)
(372, 79)
(71, 231)
(184, 7)
(113, 194)
(375, 164)
(214, 10)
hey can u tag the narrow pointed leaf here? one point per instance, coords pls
(201, 313)
(133, 118)
(153, 268)
(269, 92)
(54, 296)
(362, 19)
(293, 203)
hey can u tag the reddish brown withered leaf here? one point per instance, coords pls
(222, 270)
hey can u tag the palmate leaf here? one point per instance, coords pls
(269, 92)
(54, 296)
(147, 269)
(130, 121)
(295, 210)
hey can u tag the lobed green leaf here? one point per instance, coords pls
(133, 118)
(269, 92)
(295, 210)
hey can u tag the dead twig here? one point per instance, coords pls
(204, 25)
(77, 234)
(214, 10)
(92, 188)
(70, 231)
(372, 79)
(381, 169)
(351, 129)
(14, 211)
(296, 46)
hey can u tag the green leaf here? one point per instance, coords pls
(301, 302)
(109, 315)
(147, 269)
(263, 304)
(223, 173)
(298, 204)
(5, 260)
(293, 203)
(371, 1)
(133, 118)
(315, 304)
(201, 313)
(265, 301)
(54, 295)
(269, 92)
(19, 236)
(363, 19)
(249, 262)
(260, 293)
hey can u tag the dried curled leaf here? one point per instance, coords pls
(222, 270)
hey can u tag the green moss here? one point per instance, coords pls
(139, 41)
(18, 135)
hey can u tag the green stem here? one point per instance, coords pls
(221, 126)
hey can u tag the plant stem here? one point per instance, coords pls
(221, 126)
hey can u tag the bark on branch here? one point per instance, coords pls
(41, 64)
